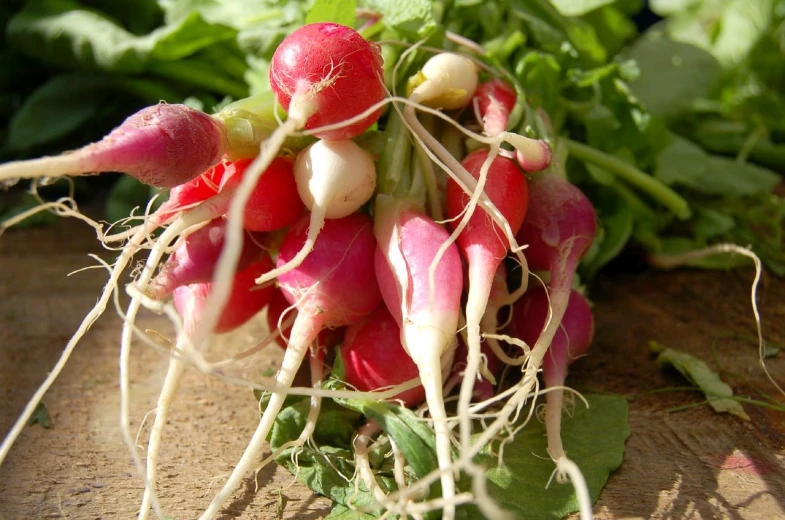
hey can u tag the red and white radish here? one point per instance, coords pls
(162, 145)
(494, 100)
(334, 179)
(245, 301)
(373, 357)
(409, 242)
(334, 286)
(485, 246)
(281, 315)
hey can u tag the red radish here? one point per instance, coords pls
(162, 145)
(495, 100)
(274, 203)
(194, 260)
(340, 72)
(279, 304)
(570, 342)
(484, 245)
(246, 301)
(334, 286)
(373, 357)
(334, 179)
(409, 242)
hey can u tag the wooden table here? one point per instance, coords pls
(689, 464)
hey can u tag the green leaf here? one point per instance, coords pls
(697, 372)
(593, 438)
(579, 7)
(41, 416)
(685, 163)
(336, 11)
(66, 35)
(617, 222)
(56, 109)
(413, 18)
(710, 223)
(672, 74)
(341, 512)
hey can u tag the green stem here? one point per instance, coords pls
(199, 74)
(654, 188)
(225, 60)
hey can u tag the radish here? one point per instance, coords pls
(484, 245)
(570, 342)
(409, 242)
(494, 100)
(273, 203)
(162, 145)
(334, 286)
(245, 301)
(373, 357)
(485, 388)
(279, 307)
(194, 260)
(334, 179)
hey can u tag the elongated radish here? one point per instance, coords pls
(246, 300)
(484, 245)
(328, 337)
(373, 357)
(334, 286)
(408, 243)
(572, 340)
(273, 203)
(334, 179)
(194, 260)
(162, 145)
(494, 100)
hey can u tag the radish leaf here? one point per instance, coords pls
(593, 438)
(696, 371)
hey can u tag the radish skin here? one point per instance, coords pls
(334, 286)
(494, 100)
(408, 243)
(484, 246)
(162, 145)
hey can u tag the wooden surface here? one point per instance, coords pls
(689, 464)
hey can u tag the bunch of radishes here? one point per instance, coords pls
(404, 283)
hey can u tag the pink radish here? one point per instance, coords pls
(334, 179)
(194, 260)
(162, 145)
(278, 304)
(485, 246)
(334, 286)
(245, 301)
(274, 203)
(373, 357)
(409, 242)
(495, 100)
(570, 342)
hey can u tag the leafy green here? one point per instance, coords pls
(594, 439)
(697, 372)
(337, 11)
(41, 416)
